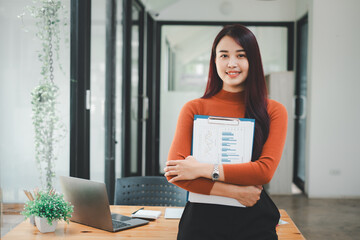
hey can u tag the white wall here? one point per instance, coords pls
(333, 113)
(302, 7)
(230, 10)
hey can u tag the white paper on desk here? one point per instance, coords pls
(147, 214)
(222, 141)
(173, 213)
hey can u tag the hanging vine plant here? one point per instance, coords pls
(50, 15)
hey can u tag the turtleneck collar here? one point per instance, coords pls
(231, 97)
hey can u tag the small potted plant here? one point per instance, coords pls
(48, 207)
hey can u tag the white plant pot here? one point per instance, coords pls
(32, 220)
(43, 225)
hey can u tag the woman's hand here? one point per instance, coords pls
(248, 195)
(186, 169)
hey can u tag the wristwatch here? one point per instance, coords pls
(215, 174)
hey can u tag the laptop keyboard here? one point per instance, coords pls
(119, 224)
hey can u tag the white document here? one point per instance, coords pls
(223, 141)
(173, 213)
(147, 214)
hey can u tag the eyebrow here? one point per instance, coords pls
(239, 50)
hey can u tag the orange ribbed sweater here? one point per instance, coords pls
(227, 104)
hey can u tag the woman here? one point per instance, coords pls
(236, 88)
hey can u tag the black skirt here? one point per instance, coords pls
(210, 221)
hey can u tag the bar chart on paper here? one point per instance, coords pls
(229, 152)
(222, 141)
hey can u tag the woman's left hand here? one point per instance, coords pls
(186, 169)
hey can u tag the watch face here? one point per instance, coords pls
(215, 175)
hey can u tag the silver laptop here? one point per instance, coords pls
(91, 205)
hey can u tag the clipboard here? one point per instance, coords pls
(221, 140)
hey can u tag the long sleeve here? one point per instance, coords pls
(181, 148)
(262, 170)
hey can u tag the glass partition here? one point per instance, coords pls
(20, 72)
(301, 94)
(187, 49)
(98, 84)
(133, 58)
(134, 90)
(273, 44)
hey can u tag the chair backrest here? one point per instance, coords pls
(148, 191)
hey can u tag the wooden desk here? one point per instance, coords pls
(161, 228)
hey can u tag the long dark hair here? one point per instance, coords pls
(255, 87)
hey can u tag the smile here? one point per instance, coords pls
(233, 73)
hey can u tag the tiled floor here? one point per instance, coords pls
(323, 219)
(317, 219)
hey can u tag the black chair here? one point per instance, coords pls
(148, 191)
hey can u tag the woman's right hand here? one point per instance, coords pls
(248, 195)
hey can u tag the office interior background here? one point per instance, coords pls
(137, 62)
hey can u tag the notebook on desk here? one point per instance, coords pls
(91, 205)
